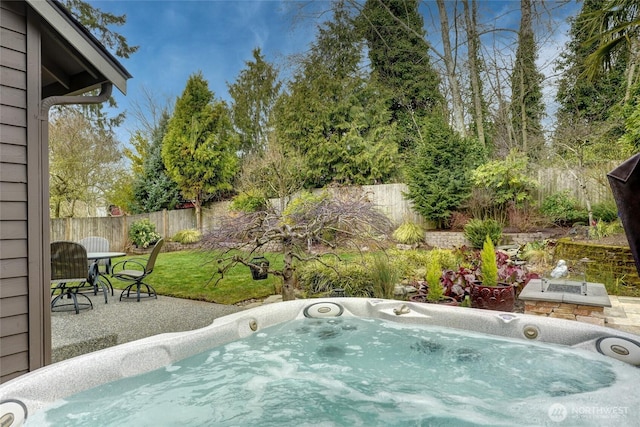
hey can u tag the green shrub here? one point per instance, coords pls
(477, 230)
(605, 229)
(321, 278)
(143, 233)
(409, 264)
(445, 258)
(605, 211)
(409, 233)
(187, 236)
(563, 209)
(250, 201)
(376, 276)
(507, 179)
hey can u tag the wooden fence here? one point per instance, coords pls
(388, 197)
(553, 180)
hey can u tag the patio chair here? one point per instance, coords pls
(99, 244)
(135, 270)
(69, 273)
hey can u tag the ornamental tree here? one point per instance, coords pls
(199, 149)
(332, 221)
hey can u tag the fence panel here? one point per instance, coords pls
(74, 229)
(212, 215)
(554, 180)
(390, 200)
(178, 220)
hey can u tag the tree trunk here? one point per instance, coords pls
(197, 204)
(288, 277)
(456, 97)
(634, 57)
(523, 114)
(473, 42)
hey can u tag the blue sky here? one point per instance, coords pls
(178, 38)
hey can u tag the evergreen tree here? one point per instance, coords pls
(527, 108)
(615, 27)
(440, 171)
(587, 115)
(199, 149)
(579, 98)
(335, 116)
(254, 95)
(153, 189)
(101, 24)
(395, 36)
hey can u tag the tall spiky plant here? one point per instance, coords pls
(434, 274)
(488, 264)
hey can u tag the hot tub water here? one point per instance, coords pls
(355, 371)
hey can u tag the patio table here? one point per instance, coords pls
(96, 256)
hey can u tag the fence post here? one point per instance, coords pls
(67, 228)
(165, 224)
(125, 231)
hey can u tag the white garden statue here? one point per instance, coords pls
(560, 270)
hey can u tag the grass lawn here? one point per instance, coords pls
(187, 274)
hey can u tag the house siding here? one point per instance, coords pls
(14, 265)
(25, 302)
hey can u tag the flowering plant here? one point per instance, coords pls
(143, 233)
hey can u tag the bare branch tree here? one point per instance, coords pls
(341, 220)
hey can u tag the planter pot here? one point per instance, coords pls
(500, 298)
(447, 301)
(141, 251)
(261, 269)
(420, 297)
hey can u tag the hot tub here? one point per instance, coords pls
(435, 333)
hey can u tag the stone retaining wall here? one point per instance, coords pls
(615, 260)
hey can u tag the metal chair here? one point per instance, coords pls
(135, 270)
(69, 273)
(99, 244)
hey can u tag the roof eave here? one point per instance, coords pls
(94, 52)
